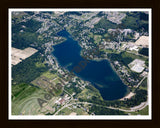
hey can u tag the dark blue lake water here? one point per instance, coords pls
(99, 73)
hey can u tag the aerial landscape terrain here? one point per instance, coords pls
(79, 63)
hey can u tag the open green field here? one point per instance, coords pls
(50, 75)
(68, 111)
(88, 94)
(24, 99)
(97, 39)
(65, 111)
(129, 57)
(144, 84)
(49, 81)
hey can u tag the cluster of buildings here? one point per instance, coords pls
(62, 100)
(80, 27)
(115, 17)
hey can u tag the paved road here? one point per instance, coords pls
(138, 54)
(133, 109)
(140, 82)
(67, 105)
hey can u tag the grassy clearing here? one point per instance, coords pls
(88, 94)
(24, 99)
(68, 111)
(107, 37)
(80, 111)
(39, 65)
(65, 111)
(110, 51)
(97, 39)
(49, 75)
(131, 57)
(49, 81)
(144, 111)
(91, 35)
(144, 84)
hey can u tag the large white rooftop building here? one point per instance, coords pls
(137, 65)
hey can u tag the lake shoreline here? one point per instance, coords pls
(101, 59)
(112, 89)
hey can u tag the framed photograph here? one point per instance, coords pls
(80, 63)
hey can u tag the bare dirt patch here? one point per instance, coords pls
(128, 96)
(18, 55)
(143, 40)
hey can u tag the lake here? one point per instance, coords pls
(99, 73)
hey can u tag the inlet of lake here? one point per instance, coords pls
(99, 73)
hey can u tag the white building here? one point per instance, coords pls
(137, 65)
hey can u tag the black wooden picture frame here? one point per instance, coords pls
(6, 4)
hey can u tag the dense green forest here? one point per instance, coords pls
(24, 33)
(28, 69)
(137, 21)
(105, 24)
(97, 110)
(144, 51)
